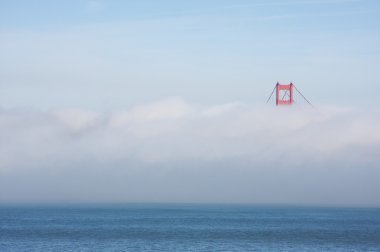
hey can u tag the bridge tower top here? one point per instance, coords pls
(284, 94)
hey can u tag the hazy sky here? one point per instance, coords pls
(162, 101)
(112, 54)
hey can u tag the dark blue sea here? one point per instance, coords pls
(187, 227)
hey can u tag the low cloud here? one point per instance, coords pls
(173, 150)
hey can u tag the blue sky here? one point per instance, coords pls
(113, 54)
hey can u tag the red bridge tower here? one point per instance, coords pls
(284, 94)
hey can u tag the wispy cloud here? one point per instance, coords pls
(94, 6)
(271, 4)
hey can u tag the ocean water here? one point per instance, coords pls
(187, 227)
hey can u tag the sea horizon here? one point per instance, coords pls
(185, 203)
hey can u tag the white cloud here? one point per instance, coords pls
(173, 129)
(170, 109)
(228, 141)
(76, 119)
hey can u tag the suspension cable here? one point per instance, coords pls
(271, 94)
(304, 97)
